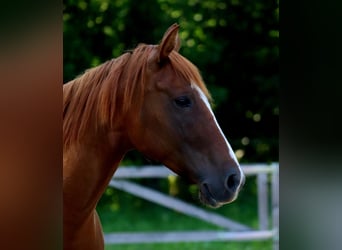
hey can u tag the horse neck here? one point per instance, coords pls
(87, 169)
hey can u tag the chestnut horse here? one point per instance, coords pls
(151, 99)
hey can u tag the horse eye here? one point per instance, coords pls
(183, 102)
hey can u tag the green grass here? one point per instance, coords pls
(122, 212)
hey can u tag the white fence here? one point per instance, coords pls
(232, 230)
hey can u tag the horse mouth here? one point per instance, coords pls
(207, 198)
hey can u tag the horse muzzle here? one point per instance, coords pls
(217, 193)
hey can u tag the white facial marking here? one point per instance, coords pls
(230, 150)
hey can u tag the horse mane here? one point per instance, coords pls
(114, 87)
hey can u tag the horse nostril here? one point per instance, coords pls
(232, 182)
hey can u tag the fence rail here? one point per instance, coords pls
(186, 236)
(232, 230)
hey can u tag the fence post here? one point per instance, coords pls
(275, 206)
(262, 201)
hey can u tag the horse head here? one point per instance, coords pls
(176, 125)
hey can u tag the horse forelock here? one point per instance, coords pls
(114, 88)
(185, 69)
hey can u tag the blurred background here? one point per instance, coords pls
(235, 46)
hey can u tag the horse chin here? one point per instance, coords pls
(209, 201)
(207, 198)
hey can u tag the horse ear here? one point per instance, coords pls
(169, 42)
